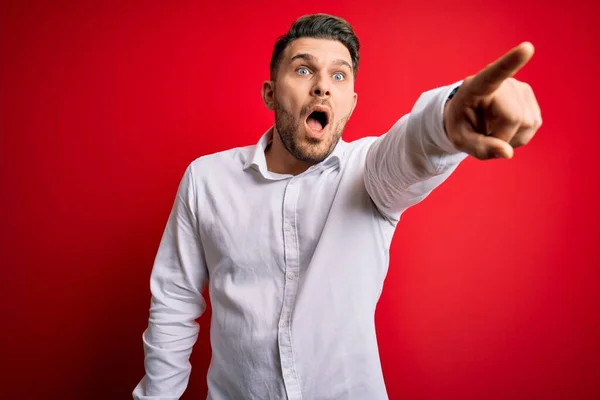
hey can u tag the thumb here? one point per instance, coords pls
(485, 147)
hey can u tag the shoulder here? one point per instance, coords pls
(221, 162)
(357, 149)
(361, 143)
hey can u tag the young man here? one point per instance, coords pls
(291, 235)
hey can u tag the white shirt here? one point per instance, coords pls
(294, 264)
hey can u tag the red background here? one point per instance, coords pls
(493, 291)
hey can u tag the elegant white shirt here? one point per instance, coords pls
(294, 264)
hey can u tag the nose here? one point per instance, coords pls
(321, 88)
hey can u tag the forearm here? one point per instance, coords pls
(169, 338)
(407, 163)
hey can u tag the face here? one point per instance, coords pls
(312, 96)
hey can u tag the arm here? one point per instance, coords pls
(178, 277)
(406, 164)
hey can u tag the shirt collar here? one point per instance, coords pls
(256, 157)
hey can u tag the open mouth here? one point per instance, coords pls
(317, 120)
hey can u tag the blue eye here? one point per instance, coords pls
(302, 71)
(338, 77)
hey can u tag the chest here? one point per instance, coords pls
(252, 228)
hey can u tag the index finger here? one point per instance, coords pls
(489, 79)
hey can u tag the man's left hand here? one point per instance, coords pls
(492, 113)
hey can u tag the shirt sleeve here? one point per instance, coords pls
(178, 277)
(407, 163)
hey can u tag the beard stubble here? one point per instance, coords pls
(305, 149)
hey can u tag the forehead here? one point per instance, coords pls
(325, 50)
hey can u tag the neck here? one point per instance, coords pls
(279, 160)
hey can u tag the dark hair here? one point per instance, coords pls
(318, 26)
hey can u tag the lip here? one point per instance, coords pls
(311, 132)
(320, 108)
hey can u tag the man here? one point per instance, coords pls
(291, 236)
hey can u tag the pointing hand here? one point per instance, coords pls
(492, 113)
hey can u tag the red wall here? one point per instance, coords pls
(494, 287)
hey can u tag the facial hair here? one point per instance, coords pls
(307, 150)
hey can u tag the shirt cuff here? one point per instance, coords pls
(436, 128)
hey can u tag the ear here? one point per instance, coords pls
(268, 94)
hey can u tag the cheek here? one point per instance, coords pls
(288, 97)
(288, 104)
(344, 109)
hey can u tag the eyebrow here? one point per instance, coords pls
(310, 57)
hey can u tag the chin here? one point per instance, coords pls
(314, 150)
(309, 145)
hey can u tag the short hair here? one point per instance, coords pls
(318, 26)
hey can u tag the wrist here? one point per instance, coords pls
(447, 102)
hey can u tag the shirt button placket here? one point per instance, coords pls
(292, 267)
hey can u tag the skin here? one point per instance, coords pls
(312, 72)
(491, 115)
